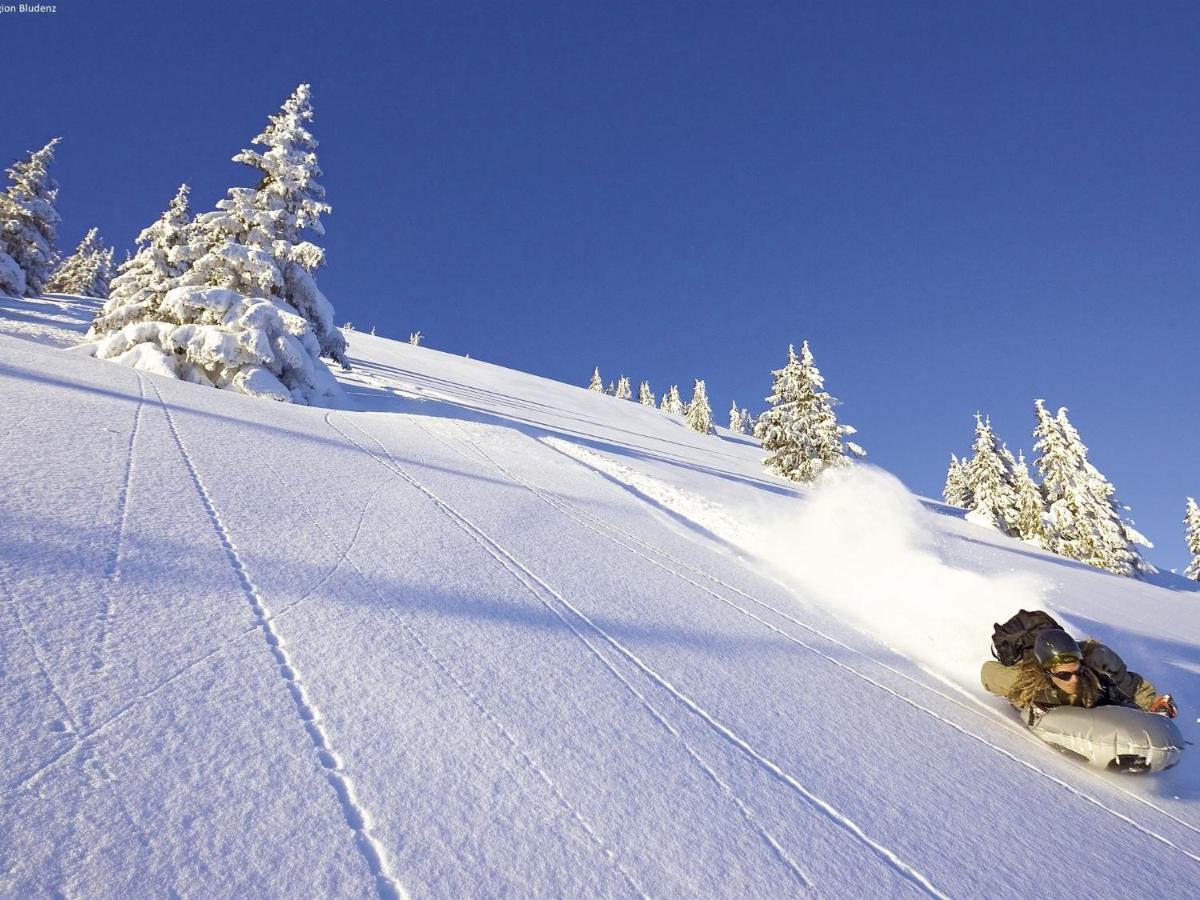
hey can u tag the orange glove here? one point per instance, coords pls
(1163, 706)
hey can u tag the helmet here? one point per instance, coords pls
(1054, 647)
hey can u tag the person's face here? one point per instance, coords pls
(1067, 685)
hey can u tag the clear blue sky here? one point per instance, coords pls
(961, 206)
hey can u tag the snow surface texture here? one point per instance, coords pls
(484, 634)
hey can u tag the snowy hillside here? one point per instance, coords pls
(484, 634)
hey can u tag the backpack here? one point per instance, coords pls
(1013, 641)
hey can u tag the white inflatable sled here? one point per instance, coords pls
(1125, 738)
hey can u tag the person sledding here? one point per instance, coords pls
(1039, 666)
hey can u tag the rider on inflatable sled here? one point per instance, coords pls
(1080, 697)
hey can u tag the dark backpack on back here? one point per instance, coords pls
(1013, 640)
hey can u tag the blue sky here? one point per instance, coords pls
(961, 206)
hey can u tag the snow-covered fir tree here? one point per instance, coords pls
(227, 320)
(1083, 519)
(645, 395)
(29, 225)
(672, 404)
(87, 272)
(1030, 524)
(143, 279)
(596, 384)
(611, 390)
(956, 492)
(800, 430)
(748, 422)
(254, 239)
(414, 338)
(736, 423)
(699, 413)
(1192, 523)
(624, 391)
(991, 480)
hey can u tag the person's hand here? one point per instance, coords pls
(1163, 706)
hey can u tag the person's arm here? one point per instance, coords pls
(997, 678)
(1131, 684)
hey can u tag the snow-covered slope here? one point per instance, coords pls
(484, 634)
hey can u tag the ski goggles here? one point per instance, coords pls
(1063, 659)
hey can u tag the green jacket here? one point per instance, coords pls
(1000, 679)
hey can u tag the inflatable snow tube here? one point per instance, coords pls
(1112, 737)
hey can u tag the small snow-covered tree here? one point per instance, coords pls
(611, 390)
(1029, 524)
(672, 404)
(255, 237)
(645, 395)
(1192, 522)
(748, 422)
(699, 413)
(1083, 518)
(956, 492)
(624, 391)
(105, 272)
(596, 384)
(991, 480)
(736, 423)
(29, 225)
(143, 279)
(414, 338)
(800, 430)
(87, 272)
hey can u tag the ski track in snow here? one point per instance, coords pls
(112, 569)
(69, 721)
(345, 554)
(96, 728)
(565, 506)
(478, 704)
(541, 591)
(355, 815)
(743, 809)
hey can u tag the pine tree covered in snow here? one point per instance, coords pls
(956, 492)
(699, 413)
(254, 238)
(187, 322)
(991, 480)
(143, 280)
(611, 390)
(624, 391)
(596, 384)
(800, 430)
(414, 338)
(736, 423)
(645, 395)
(87, 272)
(671, 403)
(1192, 521)
(748, 422)
(1084, 522)
(29, 225)
(1031, 506)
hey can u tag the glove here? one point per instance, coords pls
(1163, 706)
